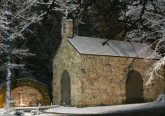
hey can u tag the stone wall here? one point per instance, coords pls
(100, 80)
(103, 80)
(67, 59)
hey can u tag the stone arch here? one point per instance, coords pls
(26, 83)
(26, 96)
(134, 87)
(65, 88)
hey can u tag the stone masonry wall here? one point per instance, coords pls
(67, 59)
(103, 80)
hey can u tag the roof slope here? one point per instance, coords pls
(94, 46)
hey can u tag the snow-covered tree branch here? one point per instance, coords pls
(16, 16)
(148, 17)
(15, 19)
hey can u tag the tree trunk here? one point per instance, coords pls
(8, 75)
(8, 84)
(8, 57)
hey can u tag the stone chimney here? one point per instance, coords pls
(67, 28)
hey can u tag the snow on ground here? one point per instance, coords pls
(95, 110)
(54, 110)
(108, 109)
(3, 112)
(42, 114)
(25, 114)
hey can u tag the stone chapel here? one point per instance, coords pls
(88, 73)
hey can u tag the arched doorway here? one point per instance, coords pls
(134, 87)
(65, 88)
(31, 92)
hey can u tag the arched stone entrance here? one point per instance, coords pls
(65, 88)
(26, 96)
(26, 92)
(134, 87)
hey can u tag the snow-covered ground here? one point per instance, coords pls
(155, 106)
(158, 106)
(4, 112)
(93, 110)
(108, 109)
(42, 114)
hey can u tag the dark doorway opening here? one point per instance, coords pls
(65, 88)
(134, 88)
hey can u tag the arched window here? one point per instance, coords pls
(134, 87)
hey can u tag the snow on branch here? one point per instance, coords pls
(22, 53)
(16, 66)
(33, 19)
(22, 11)
(146, 23)
(2, 48)
(155, 69)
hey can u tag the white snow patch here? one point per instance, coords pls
(95, 110)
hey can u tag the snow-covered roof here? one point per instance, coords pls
(94, 46)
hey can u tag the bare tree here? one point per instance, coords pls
(16, 16)
(148, 17)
